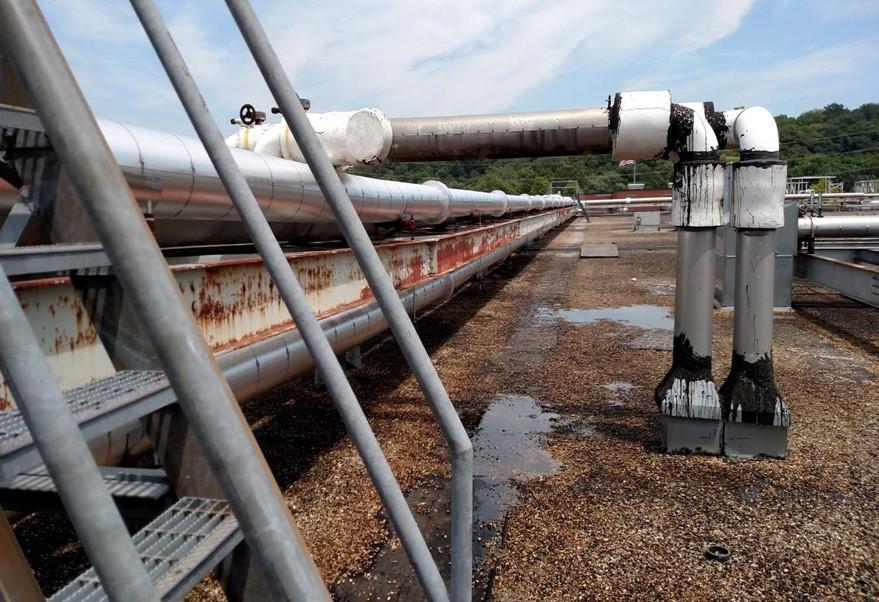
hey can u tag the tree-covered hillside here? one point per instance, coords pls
(833, 141)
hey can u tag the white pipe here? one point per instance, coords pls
(639, 123)
(752, 129)
(350, 137)
(702, 138)
(175, 174)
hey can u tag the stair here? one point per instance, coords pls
(98, 407)
(178, 548)
(138, 492)
(47, 259)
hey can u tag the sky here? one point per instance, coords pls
(446, 57)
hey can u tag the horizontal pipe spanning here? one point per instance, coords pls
(849, 226)
(175, 175)
(502, 135)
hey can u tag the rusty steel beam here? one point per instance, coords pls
(236, 304)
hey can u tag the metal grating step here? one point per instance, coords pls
(138, 492)
(46, 259)
(98, 407)
(178, 548)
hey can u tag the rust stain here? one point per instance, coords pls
(6, 402)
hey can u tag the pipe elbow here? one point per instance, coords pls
(753, 130)
(702, 138)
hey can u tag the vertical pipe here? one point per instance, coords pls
(66, 455)
(204, 395)
(687, 396)
(694, 290)
(383, 289)
(750, 389)
(294, 298)
(756, 417)
(755, 272)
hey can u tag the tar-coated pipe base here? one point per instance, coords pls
(749, 396)
(687, 396)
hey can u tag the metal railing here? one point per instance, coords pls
(204, 396)
(206, 400)
(294, 297)
(401, 326)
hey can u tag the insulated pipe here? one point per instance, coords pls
(853, 226)
(687, 396)
(175, 175)
(750, 399)
(499, 136)
(73, 470)
(350, 138)
(297, 303)
(404, 332)
(204, 396)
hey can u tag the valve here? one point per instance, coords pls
(249, 116)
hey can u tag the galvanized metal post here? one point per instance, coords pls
(294, 298)
(203, 393)
(756, 417)
(66, 455)
(383, 289)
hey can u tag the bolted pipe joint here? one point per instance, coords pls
(687, 397)
(756, 417)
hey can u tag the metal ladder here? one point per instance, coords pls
(255, 507)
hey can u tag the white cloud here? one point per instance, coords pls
(408, 57)
(417, 57)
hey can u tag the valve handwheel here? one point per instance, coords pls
(247, 114)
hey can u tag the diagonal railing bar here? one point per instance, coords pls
(400, 324)
(295, 299)
(73, 470)
(204, 395)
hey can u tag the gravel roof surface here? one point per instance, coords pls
(618, 519)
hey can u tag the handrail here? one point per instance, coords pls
(401, 326)
(295, 299)
(204, 396)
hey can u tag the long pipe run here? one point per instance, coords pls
(175, 175)
(839, 226)
(499, 136)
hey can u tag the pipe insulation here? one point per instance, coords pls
(175, 175)
(850, 226)
(368, 136)
(500, 136)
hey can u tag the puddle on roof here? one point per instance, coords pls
(507, 446)
(649, 317)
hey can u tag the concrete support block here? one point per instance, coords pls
(691, 435)
(744, 440)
